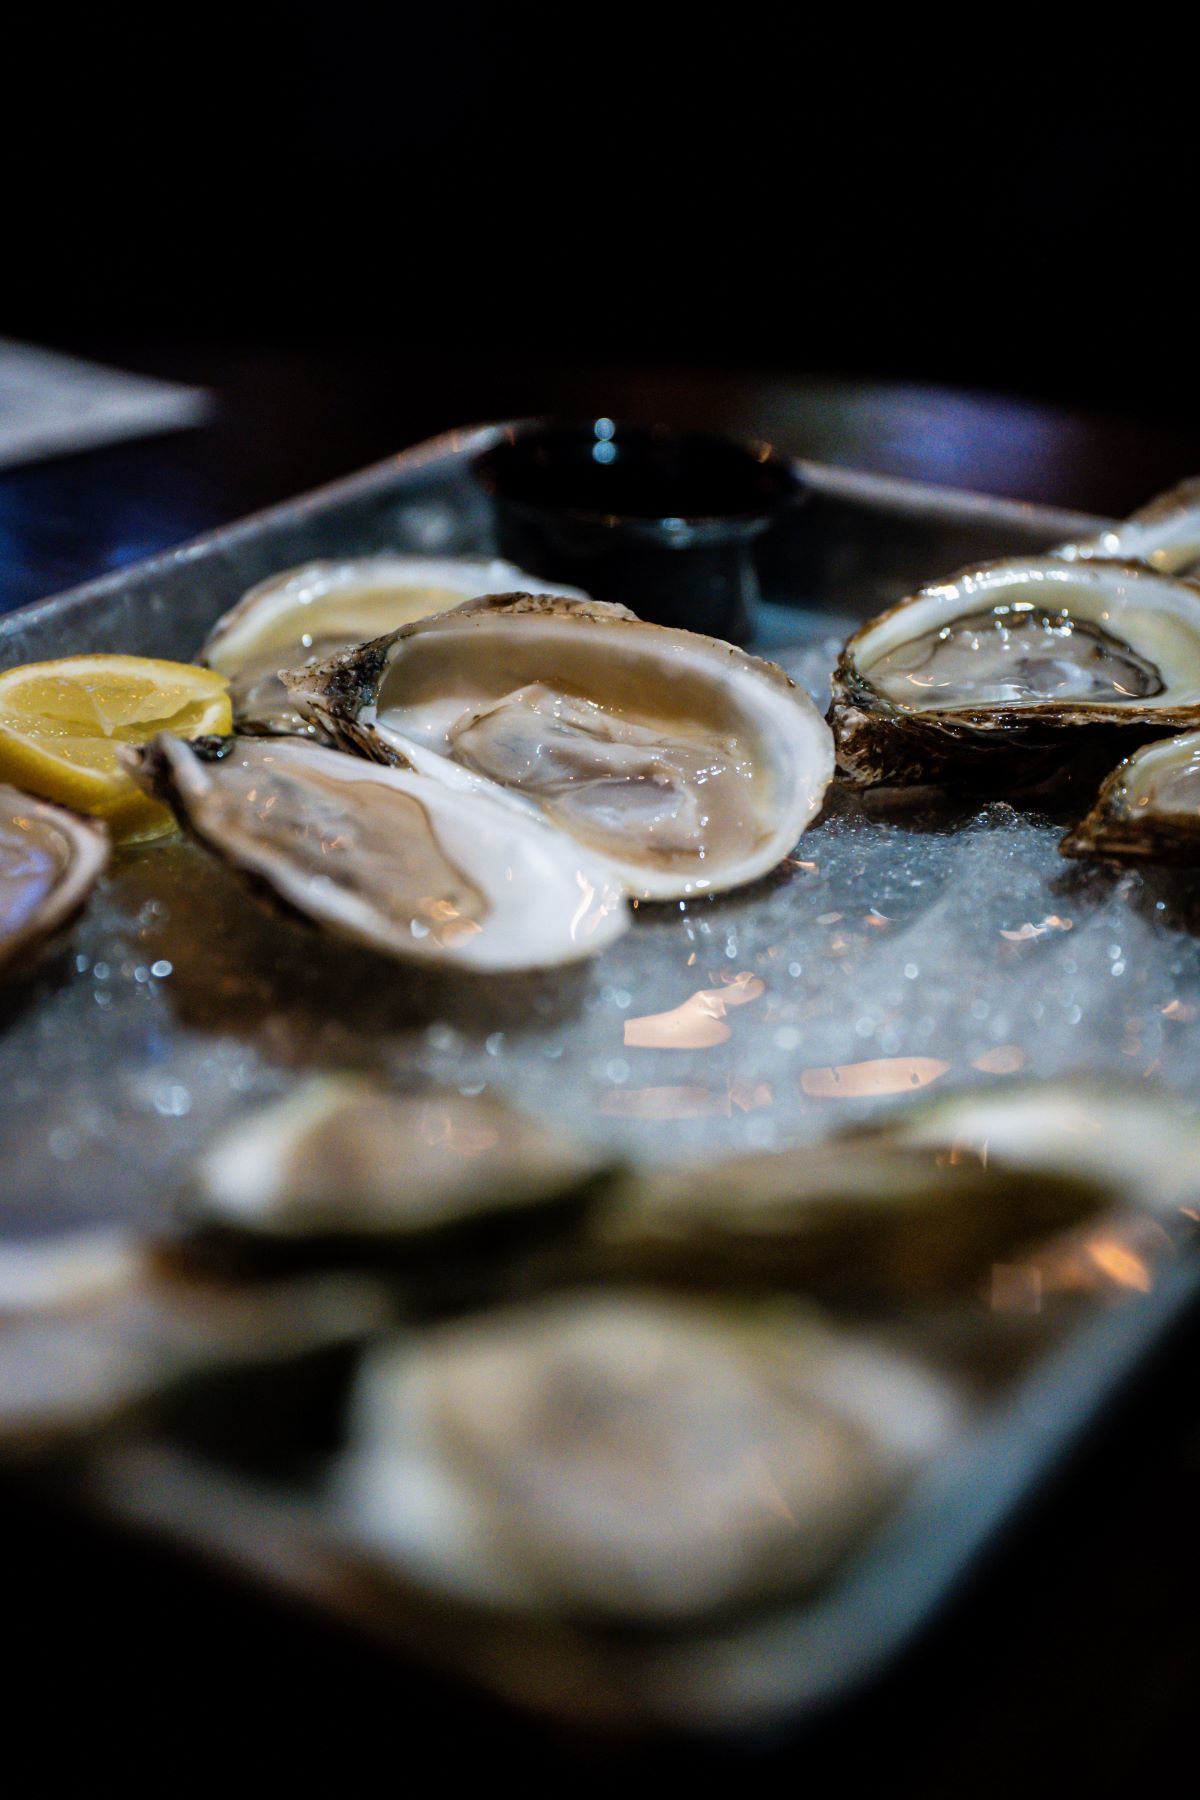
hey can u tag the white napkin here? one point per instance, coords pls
(51, 403)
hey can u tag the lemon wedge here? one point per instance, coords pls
(62, 722)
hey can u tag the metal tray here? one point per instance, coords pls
(893, 953)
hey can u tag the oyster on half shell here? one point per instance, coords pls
(1149, 807)
(689, 766)
(858, 1218)
(405, 865)
(50, 859)
(95, 1325)
(344, 1159)
(1139, 1146)
(1165, 534)
(310, 613)
(998, 671)
(630, 1459)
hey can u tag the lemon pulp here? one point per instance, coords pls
(62, 724)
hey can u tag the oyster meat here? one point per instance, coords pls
(50, 859)
(344, 1158)
(689, 766)
(1164, 534)
(998, 672)
(1148, 809)
(405, 865)
(628, 1458)
(310, 613)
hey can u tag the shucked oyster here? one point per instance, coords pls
(343, 1158)
(1140, 1147)
(687, 765)
(310, 613)
(1149, 808)
(50, 859)
(1000, 668)
(405, 865)
(857, 1218)
(627, 1458)
(93, 1325)
(1165, 534)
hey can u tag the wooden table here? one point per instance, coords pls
(1067, 1669)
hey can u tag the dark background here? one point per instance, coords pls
(957, 198)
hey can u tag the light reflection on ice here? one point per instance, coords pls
(698, 1023)
(879, 1075)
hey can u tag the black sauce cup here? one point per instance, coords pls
(664, 521)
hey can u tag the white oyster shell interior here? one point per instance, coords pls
(1032, 632)
(1165, 535)
(49, 861)
(403, 864)
(316, 610)
(687, 765)
(1163, 780)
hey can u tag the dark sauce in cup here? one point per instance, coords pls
(664, 521)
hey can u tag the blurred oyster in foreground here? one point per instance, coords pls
(343, 1158)
(855, 1218)
(1148, 809)
(1140, 1146)
(50, 860)
(310, 613)
(1006, 670)
(688, 765)
(93, 1326)
(405, 865)
(1165, 534)
(631, 1459)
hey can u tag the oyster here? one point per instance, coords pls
(310, 613)
(343, 1158)
(1149, 808)
(689, 766)
(1164, 534)
(50, 859)
(1140, 1148)
(999, 670)
(855, 1218)
(93, 1325)
(407, 866)
(630, 1458)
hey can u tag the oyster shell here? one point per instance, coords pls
(1149, 807)
(689, 766)
(999, 670)
(310, 613)
(855, 1218)
(50, 859)
(629, 1458)
(1165, 534)
(405, 865)
(344, 1158)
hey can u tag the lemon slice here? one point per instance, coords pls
(61, 725)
